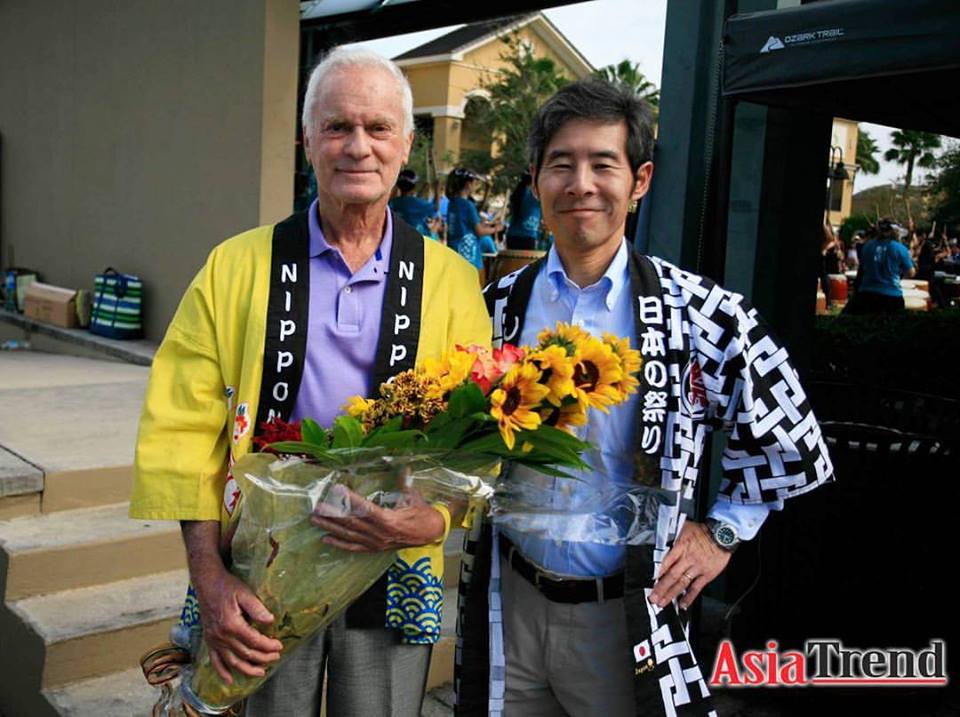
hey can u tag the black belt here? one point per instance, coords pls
(559, 590)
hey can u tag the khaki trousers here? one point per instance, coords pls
(564, 659)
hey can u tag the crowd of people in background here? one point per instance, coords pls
(467, 224)
(882, 255)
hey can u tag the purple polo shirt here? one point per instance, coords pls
(344, 325)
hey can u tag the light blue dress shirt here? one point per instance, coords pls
(606, 306)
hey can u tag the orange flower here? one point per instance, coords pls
(490, 366)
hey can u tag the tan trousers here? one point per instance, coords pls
(564, 659)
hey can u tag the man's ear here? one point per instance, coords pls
(306, 142)
(407, 148)
(642, 184)
(533, 182)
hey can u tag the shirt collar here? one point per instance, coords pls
(319, 246)
(614, 279)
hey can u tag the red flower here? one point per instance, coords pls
(274, 431)
(489, 366)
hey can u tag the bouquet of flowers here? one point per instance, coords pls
(436, 432)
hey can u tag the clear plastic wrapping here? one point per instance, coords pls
(280, 554)
(567, 510)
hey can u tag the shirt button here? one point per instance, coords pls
(347, 290)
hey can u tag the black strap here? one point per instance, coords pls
(288, 306)
(507, 302)
(564, 591)
(400, 320)
(650, 328)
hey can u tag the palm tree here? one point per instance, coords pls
(914, 149)
(628, 73)
(867, 153)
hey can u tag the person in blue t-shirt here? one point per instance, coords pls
(883, 261)
(416, 212)
(467, 233)
(525, 216)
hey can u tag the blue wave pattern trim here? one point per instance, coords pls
(190, 614)
(414, 601)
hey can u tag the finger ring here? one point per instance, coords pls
(687, 576)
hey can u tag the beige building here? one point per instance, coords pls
(843, 149)
(140, 134)
(448, 72)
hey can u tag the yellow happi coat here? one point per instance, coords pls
(205, 384)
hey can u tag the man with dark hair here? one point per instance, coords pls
(555, 622)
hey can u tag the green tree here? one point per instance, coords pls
(944, 187)
(913, 149)
(867, 150)
(514, 94)
(628, 73)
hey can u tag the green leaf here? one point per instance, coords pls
(393, 439)
(313, 433)
(301, 447)
(467, 399)
(347, 432)
(391, 426)
(546, 436)
(449, 436)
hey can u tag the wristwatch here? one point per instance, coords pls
(723, 534)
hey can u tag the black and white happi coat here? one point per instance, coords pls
(708, 362)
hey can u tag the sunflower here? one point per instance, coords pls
(514, 403)
(564, 416)
(557, 370)
(568, 336)
(597, 375)
(447, 373)
(630, 363)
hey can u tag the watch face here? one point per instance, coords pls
(725, 535)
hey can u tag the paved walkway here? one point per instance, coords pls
(62, 413)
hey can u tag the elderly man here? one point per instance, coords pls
(553, 625)
(290, 320)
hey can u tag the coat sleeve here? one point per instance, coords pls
(182, 444)
(775, 448)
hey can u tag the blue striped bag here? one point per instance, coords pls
(117, 306)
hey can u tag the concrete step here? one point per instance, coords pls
(78, 548)
(119, 694)
(97, 630)
(126, 693)
(76, 422)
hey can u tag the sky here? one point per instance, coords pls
(607, 31)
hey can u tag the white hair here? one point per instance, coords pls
(342, 57)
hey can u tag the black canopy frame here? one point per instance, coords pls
(892, 62)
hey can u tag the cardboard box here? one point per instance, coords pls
(51, 304)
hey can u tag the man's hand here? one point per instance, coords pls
(693, 561)
(227, 606)
(359, 526)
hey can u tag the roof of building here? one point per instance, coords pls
(462, 37)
